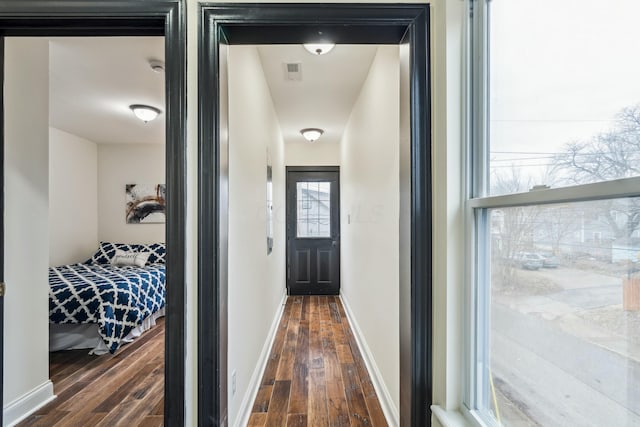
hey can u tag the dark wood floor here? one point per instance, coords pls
(122, 390)
(315, 375)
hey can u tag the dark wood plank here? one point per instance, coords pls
(338, 411)
(145, 396)
(317, 414)
(375, 412)
(358, 411)
(341, 342)
(315, 340)
(121, 393)
(271, 370)
(287, 359)
(299, 386)
(277, 415)
(159, 408)
(344, 353)
(302, 346)
(325, 315)
(262, 399)
(44, 420)
(297, 420)
(296, 308)
(152, 421)
(335, 313)
(340, 307)
(257, 419)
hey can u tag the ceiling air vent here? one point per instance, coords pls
(293, 71)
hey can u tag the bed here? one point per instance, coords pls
(109, 300)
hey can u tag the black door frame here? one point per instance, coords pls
(132, 18)
(278, 23)
(290, 209)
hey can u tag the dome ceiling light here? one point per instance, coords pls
(156, 65)
(311, 134)
(146, 113)
(319, 48)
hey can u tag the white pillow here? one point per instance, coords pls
(137, 259)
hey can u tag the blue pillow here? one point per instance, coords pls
(107, 251)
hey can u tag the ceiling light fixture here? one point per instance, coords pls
(146, 113)
(156, 65)
(311, 134)
(319, 48)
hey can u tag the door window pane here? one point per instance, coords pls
(314, 209)
(563, 315)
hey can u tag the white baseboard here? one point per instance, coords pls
(24, 406)
(389, 409)
(254, 383)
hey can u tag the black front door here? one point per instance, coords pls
(313, 230)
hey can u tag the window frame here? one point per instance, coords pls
(478, 202)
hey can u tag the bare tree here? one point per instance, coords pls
(512, 228)
(609, 155)
(558, 223)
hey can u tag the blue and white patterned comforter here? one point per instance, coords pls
(118, 299)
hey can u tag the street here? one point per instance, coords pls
(558, 379)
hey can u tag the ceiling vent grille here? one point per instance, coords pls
(293, 71)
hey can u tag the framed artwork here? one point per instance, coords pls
(145, 204)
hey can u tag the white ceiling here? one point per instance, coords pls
(94, 80)
(325, 96)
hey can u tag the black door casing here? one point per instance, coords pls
(88, 18)
(313, 263)
(293, 23)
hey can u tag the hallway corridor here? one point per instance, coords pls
(315, 375)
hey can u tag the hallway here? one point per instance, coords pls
(315, 374)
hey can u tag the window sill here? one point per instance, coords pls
(450, 418)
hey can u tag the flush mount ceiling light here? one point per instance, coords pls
(146, 113)
(311, 134)
(156, 65)
(319, 48)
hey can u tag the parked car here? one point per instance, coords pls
(549, 260)
(530, 261)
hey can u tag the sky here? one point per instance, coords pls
(560, 72)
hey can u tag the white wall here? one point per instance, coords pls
(26, 236)
(119, 165)
(370, 216)
(73, 198)
(256, 281)
(316, 154)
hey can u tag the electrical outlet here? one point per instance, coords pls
(233, 383)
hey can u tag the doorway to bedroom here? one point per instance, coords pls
(85, 190)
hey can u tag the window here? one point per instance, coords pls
(554, 205)
(314, 209)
